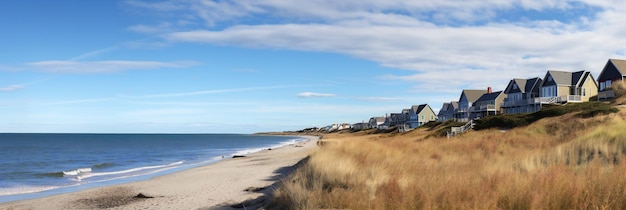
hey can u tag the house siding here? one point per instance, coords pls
(426, 115)
(610, 73)
(591, 89)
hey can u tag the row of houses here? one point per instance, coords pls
(519, 96)
(529, 95)
(407, 119)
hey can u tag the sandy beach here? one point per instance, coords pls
(234, 183)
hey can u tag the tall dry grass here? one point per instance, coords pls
(555, 163)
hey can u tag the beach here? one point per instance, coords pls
(233, 183)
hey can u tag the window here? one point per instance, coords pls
(584, 92)
(515, 86)
(608, 84)
(549, 91)
(602, 87)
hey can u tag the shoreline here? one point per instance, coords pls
(245, 181)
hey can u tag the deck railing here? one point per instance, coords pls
(559, 99)
(522, 102)
(483, 108)
(462, 129)
(606, 94)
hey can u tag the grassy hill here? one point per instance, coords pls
(556, 159)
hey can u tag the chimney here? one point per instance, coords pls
(489, 90)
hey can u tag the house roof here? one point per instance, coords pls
(489, 96)
(455, 104)
(418, 108)
(473, 95)
(577, 76)
(531, 83)
(620, 65)
(569, 78)
(521, 84)
(444, 108)
(561, 77)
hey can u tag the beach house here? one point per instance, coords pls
(376, 121)
(521, 95)
(567, 87)
(613, 71)
(398, 118)
(447, 110)
(420, 115)
(466, 100)
(488, 104)
(360, 126)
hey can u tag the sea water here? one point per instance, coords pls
(36, 165)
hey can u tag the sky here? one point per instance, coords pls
(221, 66)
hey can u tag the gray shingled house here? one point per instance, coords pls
(488, 104)
(466, 100)
(447, 111)
(520, 96)
(613, 71)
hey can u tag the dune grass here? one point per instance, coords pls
(582, 110)
(565, 162)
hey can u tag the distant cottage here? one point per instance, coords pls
(466, 101)
(488, 104)
(420, 115)
(447, 111)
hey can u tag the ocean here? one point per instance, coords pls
(37, 165)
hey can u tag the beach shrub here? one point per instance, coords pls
(585, 110)
(564, 162)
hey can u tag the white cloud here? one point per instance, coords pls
(59, 66)
(11, 88)
(446, 45)
(314, 95)
(217, 91)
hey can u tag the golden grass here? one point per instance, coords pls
(620, 92)
(555, 163)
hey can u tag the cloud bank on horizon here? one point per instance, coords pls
(194, 65)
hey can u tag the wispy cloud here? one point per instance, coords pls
(207, 92)
(88, 67)
(16, 87)
(94, 53)
(11, 88)
(379, 99)
(79, 101)
(314, 95)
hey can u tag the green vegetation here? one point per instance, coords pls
(582, 110)
(441, 129)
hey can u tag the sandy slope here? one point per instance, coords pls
(234, 182)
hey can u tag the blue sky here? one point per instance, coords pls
(194, 66)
